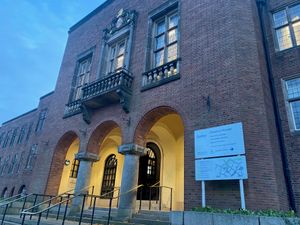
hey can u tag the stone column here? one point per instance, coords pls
(83, 178)
(130, 174)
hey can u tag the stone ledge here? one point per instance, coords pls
(132, 149)
(196, 218)
(87, 156)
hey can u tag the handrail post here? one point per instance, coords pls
(66, 209)
(23, 220)
(50, 198)
(141, 195)
(93, 212)
(59, 206)
(23, 206)
(118, 198)
(109, 210)
(150, 198)
(160, 188)
(92, 197)
(171, 199)
(39, 219)
(82, 208)
(4, 214)
(34, 202)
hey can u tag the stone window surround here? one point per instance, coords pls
(290, 117)
(81, 57)
(126, 33)
(285, 7)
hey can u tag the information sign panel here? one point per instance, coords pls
(219, 141)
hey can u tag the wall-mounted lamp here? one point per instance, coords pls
(67, 162)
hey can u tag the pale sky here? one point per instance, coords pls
(33, 35)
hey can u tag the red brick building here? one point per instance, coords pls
(141, 77)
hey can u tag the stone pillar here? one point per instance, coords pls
(83, 178)
(130, 174)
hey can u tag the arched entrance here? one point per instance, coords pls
(22, 189)
(12, 192)
(64, 167)
(106, 174)
(149, 173)
(162, 131)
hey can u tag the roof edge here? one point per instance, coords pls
(24, 114)
(46, 95)
(90, 15)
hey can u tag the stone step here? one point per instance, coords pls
(152, 217)
(149, 222)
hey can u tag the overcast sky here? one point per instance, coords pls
(33, 35)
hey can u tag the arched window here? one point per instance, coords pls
(22, 188)
(4, 193)
(75, 168)
(12, 192)
(109, 176)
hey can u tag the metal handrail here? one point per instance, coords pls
(127, 192)
(160, 197)
(58, 196)
(154, 185)
(6, 199)
(17, 199)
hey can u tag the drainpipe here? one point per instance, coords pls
(261, 6)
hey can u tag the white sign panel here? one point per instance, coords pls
(219, 141)
(225, 168)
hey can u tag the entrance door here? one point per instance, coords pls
(149, 173)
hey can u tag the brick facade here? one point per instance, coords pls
(223, 79)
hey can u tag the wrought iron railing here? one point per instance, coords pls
(161, 74)
(118, 80)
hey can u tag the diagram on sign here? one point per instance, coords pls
(230, 168)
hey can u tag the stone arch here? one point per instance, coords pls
(4, 192)
(99, 134)
(57, 163)
(12, 191)
(148, 120)
(22, 188)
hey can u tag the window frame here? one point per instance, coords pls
(288, 101)
(289, 24)
(155, 21)
(75, 168)
(109, 175)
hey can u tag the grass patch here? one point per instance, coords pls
(269, 212)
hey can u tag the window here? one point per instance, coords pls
(165, 39)
(29, 131)
(287, 27)
(13, 164)
(109, 176)
(293, 99)
(6, 140)
(31, 157)
(20, 163)
(116, 56)
(12, 140)
(2, 137)
(22, 134)
(75, 168)
(41, 120)
(82, 76)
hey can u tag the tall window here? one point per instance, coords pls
(20, 163)
(41, 121)
(165, 38)
(2, 137)
(13, 138)
(116, 56)
(6, 140)
(109, 176)
(22, 134)
(287, 27)
(29, 131)
(75, 168)
(83, 76)
(13, 164)
(293, 99)
(31, 157)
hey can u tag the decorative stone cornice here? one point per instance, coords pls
(87, 156)
(132, 149)
(123, 19)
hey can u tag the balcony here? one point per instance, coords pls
(72, 108)
(111, 89)
(161, 75)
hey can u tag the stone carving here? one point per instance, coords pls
(123, 18)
